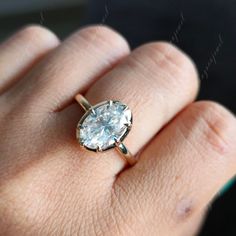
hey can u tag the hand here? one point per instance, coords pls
(50, 186)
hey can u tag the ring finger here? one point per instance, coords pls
(156, 81)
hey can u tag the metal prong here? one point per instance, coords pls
(128, 125)
(81, 144)
(79, 126)
(99, 149)
(125, 108)
(110, 103)
(93, 111)
(117, 142)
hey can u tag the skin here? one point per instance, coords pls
(50, 186)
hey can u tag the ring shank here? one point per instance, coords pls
(83, 102)
(123, 150)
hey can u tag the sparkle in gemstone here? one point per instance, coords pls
(103, 125)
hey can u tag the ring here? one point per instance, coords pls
(104, 126)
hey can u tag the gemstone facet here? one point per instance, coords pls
(104, 125)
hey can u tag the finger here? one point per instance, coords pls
(191, 227)
(156, 81)
(71, 68)
(148, 82)
(20, 52)
(184, 167)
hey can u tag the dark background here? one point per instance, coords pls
(205, 29)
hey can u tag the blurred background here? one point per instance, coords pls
(205, 29)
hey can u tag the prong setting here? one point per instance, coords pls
(102, 121)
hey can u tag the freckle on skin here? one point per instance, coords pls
(177, 178)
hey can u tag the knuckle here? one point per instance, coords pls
(217, 124)
(38, 35)
(172, 64)
(173, 54)
(101, 35)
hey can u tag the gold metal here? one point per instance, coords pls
(119, 146)
(122, 149)
(83, 102)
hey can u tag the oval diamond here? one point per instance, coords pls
(103, 125)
